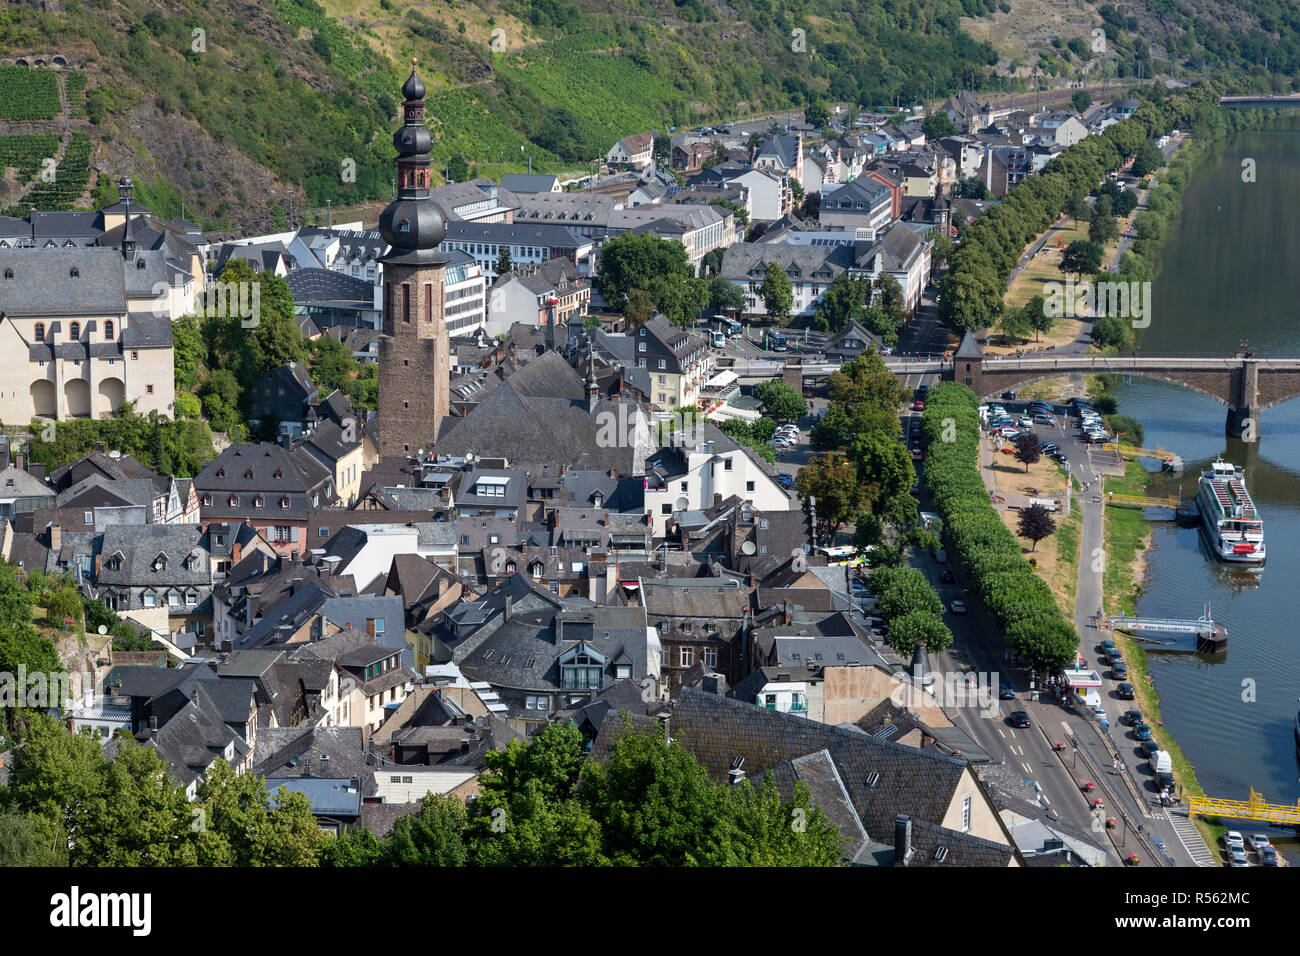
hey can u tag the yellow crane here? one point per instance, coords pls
(1135, 452)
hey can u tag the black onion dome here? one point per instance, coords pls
(412, 140)
(413, 224)
(413, 88)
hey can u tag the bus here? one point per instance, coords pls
(776, 341)
(841, 554)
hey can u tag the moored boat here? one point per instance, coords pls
(1229, 516)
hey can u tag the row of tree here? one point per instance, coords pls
(971, 293)
(991, 555)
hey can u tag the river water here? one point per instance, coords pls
(1232, 271)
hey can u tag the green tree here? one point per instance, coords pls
(188, 350)
(30, 840)
(254, 828)
(1103, 228)
(937, 125)
(654, 803)
(725, 296)
(631, 260)
(817, 114)
(1081, 257)
(777, 293)
(759, 828)
(1038, 316)
(1147, 159)
(780, 401)
(1081, 99)
(972, 187)
(833, 481)
(457, 169)
(504, 262)
(435, 836)
(844, 300)
(355, 846)
(1110, 330)
(639, 308)
(1015, 324)
(907, 629)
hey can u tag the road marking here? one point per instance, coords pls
(1043, 797)
(1001, 734)
(1067, 727)
(1026, 766)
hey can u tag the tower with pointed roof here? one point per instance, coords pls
(414, 349)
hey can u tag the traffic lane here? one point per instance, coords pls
(978, 639)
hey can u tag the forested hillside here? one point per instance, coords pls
(251, 112)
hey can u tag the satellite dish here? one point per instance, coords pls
(103, 629)
(747, 547)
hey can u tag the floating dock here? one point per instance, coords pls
(1200, 636)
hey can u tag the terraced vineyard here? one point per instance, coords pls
(24, 151)
(71, 178)
(28, 94)
(76, 87)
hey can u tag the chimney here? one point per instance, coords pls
(99, 565)
(753, 579)
(736, 775)
(785, 613)
(18, 461)
(714, 684)
(236, 552)
(505, 616)
(902, 839)
(324, 765)
(370, 628)
(56, 537)
(153, 729)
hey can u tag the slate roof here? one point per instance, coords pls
(537, 416)
(524, 183)
(141, 544)
(43, 283)
(716, 729)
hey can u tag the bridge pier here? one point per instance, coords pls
(1243, 422)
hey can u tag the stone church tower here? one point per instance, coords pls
(414, 363)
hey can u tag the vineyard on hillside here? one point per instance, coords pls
(71, 178)
(28, 94)
(24, 152)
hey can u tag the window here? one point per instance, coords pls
(710, 657)
(108, 328)
(965, 812)
(624, 672)
(686, 485)
(40, 332)
(749, 486)
(379, 626)
(666, 509)
(90, 517)
(150, 600)
(663, 363)
(688, 656)
(148, 389)
(257, 502)
(283, 532)
(191, 599)
(74, 331)
(134, 355)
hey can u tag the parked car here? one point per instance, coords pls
(918, 406)
(1234, 838)
(1148, 748)
(1042, 418)
(1258, 841)
(1132, 717)
(1048, 448)
(785, 480)
(1116, 656)
(1118, 671)
(1009, 394)
(1142, 732)
(1019, 718)
(1237, 856)
(1006, 692)
(945, 576)
(1268, 857)
(958, 607)
(1107, 647)
(1125, 692)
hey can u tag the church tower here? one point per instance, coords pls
(414, 362)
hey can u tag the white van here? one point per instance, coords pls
(719, 340)
(1051, 504)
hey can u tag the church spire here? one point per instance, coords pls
(412, 224)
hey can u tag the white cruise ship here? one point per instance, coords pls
(1229, 516)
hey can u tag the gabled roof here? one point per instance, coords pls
(969, 348)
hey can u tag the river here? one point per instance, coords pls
(1231, 269)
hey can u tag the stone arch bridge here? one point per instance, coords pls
(1246, 383)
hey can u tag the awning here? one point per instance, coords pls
(722, 379)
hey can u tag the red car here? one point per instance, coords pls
(918, 406)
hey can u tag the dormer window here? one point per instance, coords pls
(139, 263)
(536, 570)
(234, 501)
(249, 473)
(74, 272)
(207, 501)
(9, 273)
(160, 562)
(257, 502)
(510, 567)
(279, 473)
(284, 503)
